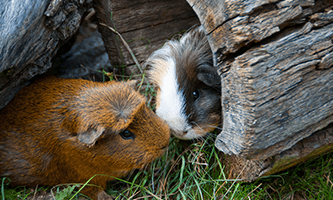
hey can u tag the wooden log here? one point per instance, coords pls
(31, 33)
(146, 25)
(280, 97)
(111, 42)
(318, 144)
(275, 60)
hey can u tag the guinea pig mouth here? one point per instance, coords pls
(179, 134)
(164, 148)
(160, 151)
(188, 135)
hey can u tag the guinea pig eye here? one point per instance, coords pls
(126, 134)
(196, 94)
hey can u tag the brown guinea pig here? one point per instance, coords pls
(188, 86)
(58, 131)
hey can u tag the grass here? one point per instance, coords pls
(194, 170)
(310, 180)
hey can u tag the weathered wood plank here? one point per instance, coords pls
(318, 144)
(15, 47)
(276, 64)
(302, 3)
(232, 24)
(149, 14)
(243, 30)
(274, 92)
(144, 41)
(213, 13)
(111, 42)
(146, 25)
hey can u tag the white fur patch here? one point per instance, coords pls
(172, 101)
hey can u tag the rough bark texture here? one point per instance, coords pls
(318, 144)
(31, 33)
(278, 94)
(275, 59)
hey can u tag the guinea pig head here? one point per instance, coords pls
(188, 86)
(117, 126)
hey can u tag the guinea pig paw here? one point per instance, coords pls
(103, 196)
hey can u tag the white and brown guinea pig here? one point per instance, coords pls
(58, 131)
(188, 86)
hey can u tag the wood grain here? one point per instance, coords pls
(275, 61)
(112, 44)
(276, 91)
(146, 25)
(318, 144)
(214, 13)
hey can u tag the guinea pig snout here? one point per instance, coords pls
(164, 147)
(190, 133)
(182, 134)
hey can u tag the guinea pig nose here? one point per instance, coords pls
(187, 129)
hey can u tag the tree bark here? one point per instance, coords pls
(31, 33)
(275, 59)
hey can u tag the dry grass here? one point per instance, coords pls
(193, 170)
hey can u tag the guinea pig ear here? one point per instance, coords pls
(90, 136)
(134, 84)
(208, 75)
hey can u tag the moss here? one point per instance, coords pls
(290, 161)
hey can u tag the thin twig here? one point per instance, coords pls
(328, 179)
(126, 45)
(34, 197)
(53, 197)
(248, 195)
(90, 14)
(131, 197)
(130, 52)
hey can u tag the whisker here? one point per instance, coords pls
(201, 139)
(193, 122)
(217, 127)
